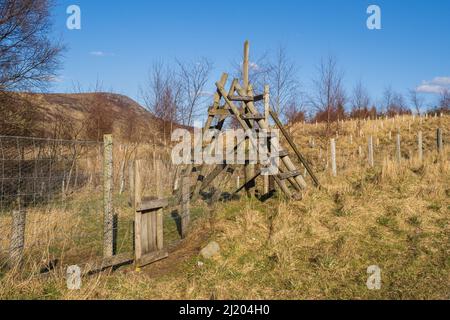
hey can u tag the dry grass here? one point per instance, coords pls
(395, 216)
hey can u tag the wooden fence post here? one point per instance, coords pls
(333, 157)
(185, 203)
(158, 217)
(420, 145)
(108, 225)
(398, 151)
(371, 157)
(131, 177)
(440, 142)
(17, 241)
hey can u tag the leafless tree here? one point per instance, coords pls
(162, 96)
(417, 101)
(329, 94)
(192, 79)
(28, 56)
(284, 84)
(394, 103)
(360, 102)
(444, 102)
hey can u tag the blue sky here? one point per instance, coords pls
(119, 40)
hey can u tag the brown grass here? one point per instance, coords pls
(395, 216)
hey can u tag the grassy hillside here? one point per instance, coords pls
(394, 215)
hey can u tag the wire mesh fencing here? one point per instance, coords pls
(51, 201)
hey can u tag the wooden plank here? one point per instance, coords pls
(138, 215)
(220, 112)
(99, 265)
(287, 175)
(151, 258)
(241, 98)
(256, 116)
(159, 216)
(108, 213)
(151, 205)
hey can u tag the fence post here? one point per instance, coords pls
(333, 157)
(185, 202)
(371, 158)
(17, 241)
(440, 142)
(131, 177)
(158, 217)
(108, 225)
(420, 145)
(398, 151)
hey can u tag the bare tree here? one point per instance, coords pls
(28, 56)
(193, 77)
(394, 103)
(360, 102)
(284, 84)
(329, 92)
(444, 101)
(162, 96)
(417, 101)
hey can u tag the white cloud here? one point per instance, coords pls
(100, 54)
(435, 86)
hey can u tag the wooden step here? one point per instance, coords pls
(219, 112)
(256, 116)
(288, 175)
(241, 98)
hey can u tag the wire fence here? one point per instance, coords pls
(56, 185)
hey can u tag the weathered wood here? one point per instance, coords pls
(251, 179)
(213, 175)
(17, 241)
(152, 257)
(158, 218)
(131, 182)
(101, 264)
(152, 205)
(287, 175)
(241, 98)
(185, 205)
(219, 112)
(108, 219)
(256, 116)
(138, 219)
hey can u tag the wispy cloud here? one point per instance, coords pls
(435, 86)
(100, 54)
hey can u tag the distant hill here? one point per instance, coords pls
(76, 116)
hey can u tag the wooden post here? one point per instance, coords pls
(333, 158)
(17, 241)
(420, 145)
(108, 225)
(398, 151)
(267, 103)
(158, 217)
(249, 169)
(131, 183)
(185, 210)
(371, 157)
(138, 219)
(440, 142)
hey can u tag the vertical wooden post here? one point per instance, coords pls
(158, 217)
(108, 225)
(371, 157)
(420, 145)
(267, 103)
(185, 203)
(131, 177)
(333, 157)
(249, 169)
(398, 151)
(138, 219)
(440, 142)
(17, 241)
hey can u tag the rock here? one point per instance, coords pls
(211, 250)
(200, 264)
